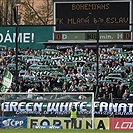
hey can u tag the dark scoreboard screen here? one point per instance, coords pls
(77, 16)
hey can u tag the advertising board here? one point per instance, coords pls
(121, 123)
(13, 122)
(65, 123)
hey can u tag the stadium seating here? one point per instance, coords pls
(52, 68)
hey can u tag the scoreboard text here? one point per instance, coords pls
(84, 16)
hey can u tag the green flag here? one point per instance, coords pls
(131, 87)
(7, 80)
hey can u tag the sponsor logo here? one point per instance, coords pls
(124, 125)
(121, 124)
(43, 127)
(12, 122)
(65, 123)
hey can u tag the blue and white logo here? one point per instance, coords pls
(14, 122)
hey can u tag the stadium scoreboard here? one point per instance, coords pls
(84, 16)
(114, 36)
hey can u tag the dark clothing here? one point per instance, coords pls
(120, 93)
(73, 123)
(100, 94)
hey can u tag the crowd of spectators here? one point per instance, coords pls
(70, 70)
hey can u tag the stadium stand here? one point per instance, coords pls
(71, 70)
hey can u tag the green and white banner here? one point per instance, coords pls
(28, 36)
(7, 80)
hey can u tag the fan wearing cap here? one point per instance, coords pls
(73, 116)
